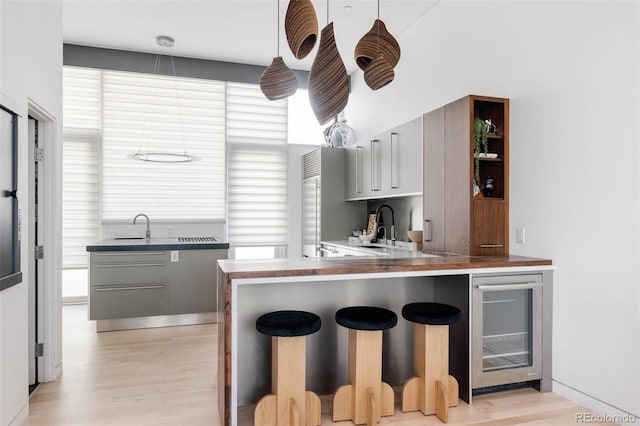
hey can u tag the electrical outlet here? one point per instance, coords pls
(520, 235)
(175, 256)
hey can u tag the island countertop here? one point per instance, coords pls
(249, 288)
(235, 269)
(168, 243)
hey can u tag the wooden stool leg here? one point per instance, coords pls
(288, 378)
(454, 391)
(343, 403)
(442, 403)
(265, 412)
(432, 386)
(313, 409)
(365, 370)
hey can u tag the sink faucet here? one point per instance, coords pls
(148, 234)
(384, 238)
(393, 224)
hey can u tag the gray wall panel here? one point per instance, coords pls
(122, 60)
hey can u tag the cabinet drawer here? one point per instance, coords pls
(128, 256)
(118, 301)
(128, 273)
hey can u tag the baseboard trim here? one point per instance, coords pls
(21, 416)
(608, 411)
(155, 321)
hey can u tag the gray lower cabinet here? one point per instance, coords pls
(193, 278)
(126, 284)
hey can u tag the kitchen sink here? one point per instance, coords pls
(128, 238)
(372, 247)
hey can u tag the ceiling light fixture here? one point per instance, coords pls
(278, 81)
(328, 79)
(377, 53)
(301, 27)
(163, 157)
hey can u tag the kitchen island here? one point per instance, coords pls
(139, 283)
(247, 289)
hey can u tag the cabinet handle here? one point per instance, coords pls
(504, 287)
(359, 169)
(126, 265)
(394, 160)
(129, 253)
(491, 245)
(427, 230)
(140, 287)
(375, 175)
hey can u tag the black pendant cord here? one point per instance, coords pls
(278, 29)
(378, 26)
(327, 12)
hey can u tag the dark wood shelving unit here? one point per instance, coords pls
(455, 220)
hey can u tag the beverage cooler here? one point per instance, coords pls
(507, 329)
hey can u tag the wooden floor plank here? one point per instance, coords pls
(167, 377)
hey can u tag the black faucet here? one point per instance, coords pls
(393, 224)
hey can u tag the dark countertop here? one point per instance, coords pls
(169, 243)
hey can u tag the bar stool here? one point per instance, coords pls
(366, 397)
(432, 390)
(289, 404)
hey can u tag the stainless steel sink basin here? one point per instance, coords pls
(129, 238)
(373, 247)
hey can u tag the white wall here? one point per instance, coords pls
(571, 70)
(30, 73)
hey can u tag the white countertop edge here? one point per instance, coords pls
(424, 273)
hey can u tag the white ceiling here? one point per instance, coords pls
(241, 31)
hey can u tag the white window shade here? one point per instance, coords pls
(81, 165)
(159, 114)
(256, 167)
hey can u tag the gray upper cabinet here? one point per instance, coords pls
(388, 165)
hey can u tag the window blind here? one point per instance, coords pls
(256, 167)
(81, 160)
(152, 113)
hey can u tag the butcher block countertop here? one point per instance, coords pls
(237, 269)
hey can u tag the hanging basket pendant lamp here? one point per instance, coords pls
(377, 53)
(367, 48)
(379, 73)
(278, 81)
(301, 27)
(328, 79)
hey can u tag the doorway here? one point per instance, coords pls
(36, 233)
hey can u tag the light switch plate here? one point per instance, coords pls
(520, 235)
(175, 256)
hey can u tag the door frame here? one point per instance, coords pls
(49, 291)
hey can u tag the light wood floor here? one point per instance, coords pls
(167, 376)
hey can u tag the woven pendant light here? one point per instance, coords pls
(328, 79)
(379, 73)
(367, 48)
(301, 27)
(278, 81)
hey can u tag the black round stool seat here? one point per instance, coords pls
(431, 313)
(288, 323)
(368, 318)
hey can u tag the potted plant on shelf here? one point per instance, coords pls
(480, 144)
